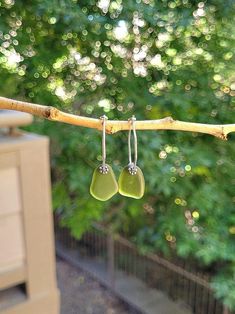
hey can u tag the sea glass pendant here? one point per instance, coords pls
(131, 182)
(103, 184)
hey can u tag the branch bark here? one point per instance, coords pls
(112, 126)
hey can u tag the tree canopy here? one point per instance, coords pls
(148, 58)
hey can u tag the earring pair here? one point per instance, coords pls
(131, 180)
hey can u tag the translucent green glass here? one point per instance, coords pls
(131, 185)
(103, 185)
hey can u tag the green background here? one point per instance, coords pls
(148, 58)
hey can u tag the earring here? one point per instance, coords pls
(131, 181)
(103, 184)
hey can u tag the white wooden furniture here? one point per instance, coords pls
(27, 254)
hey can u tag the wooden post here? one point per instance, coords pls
(226, 310)
(111, 265)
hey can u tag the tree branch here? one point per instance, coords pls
(113, 126)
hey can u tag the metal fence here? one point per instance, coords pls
(177, 279)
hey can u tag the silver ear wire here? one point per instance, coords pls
(103, 168)
(132, 168)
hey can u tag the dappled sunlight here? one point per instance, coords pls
(151, 59)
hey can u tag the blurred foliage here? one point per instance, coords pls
(148, 58)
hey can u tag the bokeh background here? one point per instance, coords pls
(152, 59)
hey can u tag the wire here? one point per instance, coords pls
(132, 128)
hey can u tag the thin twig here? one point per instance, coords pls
(112, 126)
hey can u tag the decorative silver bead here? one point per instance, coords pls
(132, 169)
(104, 169)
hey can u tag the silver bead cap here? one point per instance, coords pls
(104, 169)
(132, 169)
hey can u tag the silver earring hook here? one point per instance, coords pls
(103, 168)
(129, 144)
(132, 165)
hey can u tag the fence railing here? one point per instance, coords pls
(116, 253)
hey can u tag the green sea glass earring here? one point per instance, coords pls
(131, 181)
(103, 184)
